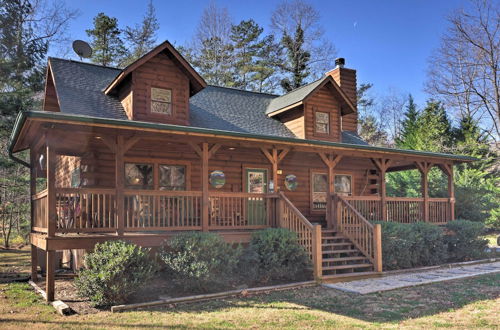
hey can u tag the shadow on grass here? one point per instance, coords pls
(389, 306)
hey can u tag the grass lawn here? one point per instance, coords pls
(470, 303)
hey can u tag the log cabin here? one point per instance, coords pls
(142, 153)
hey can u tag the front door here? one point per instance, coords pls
(256, 183)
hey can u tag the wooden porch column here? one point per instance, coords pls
(34, 263)
(424, 168)
(448, 170)
(275, 158)
(34, 252)
(382, 166)
(51, 192)
(50, 274)
(205, 152)
(120, 184)
(331, 162)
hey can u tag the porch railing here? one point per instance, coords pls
(309, 235)
(39, 204)
(402, 209)
(365, 236)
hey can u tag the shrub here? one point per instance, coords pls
(114, 271)
(200, 260)
(412, 245)
(279, 255)
(463, 240)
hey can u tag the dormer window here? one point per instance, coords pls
(161, 100)
(322, 122)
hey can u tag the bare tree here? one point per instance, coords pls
(287, 16)
(465, 70)
(390, 112)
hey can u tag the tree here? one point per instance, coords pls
(465, 70)
(107, 45)
(247, 49)
(142, 37)
(434, 129)
(211, 52)
(297, 60)
(389, 111)
(408, 136)
(288, 18)
(27, 30)
(369, 127)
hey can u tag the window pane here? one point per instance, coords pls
(172, 177)
(161, 107)
(322, 122)
(343, 184)
(139, 176)
(160, 94)
(320, 187)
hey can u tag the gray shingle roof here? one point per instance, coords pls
(80, 91)
(293, 97)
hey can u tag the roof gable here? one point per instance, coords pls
(196, 81)
(299, 95)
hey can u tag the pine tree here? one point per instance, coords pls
(264, 79)
(433, 129)
(211, 62)
(408, 136)
(142, 38)
(107, 45)
(296, 65)
(246, 38)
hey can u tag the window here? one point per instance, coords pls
(343, 185)
(322, 122)
(172, 177)
(161, 101)
(319, 190)
(139, 176)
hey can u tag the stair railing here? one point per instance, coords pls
(365, 236)
(309, 235)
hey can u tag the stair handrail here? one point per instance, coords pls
(309, 235)
(366, 236)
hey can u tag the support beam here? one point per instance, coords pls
(51, 188)
(424, 168)
(377, 242)
(382, 165)
(448, 170)
(34, 263)
(331, 162)
(120, 184)
(275, 157)
(50, 274)
(204, 179)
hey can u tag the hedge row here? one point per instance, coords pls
(423, 244)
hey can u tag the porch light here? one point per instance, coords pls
(232, 148)
(279, 172)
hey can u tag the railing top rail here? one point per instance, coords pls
(295, 210)
(348, 205)
(405, 199)
(39, 195)
(362, 198)
(108, 191)
(175, 193)
(239, 194)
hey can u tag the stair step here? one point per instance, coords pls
(344, 259)
(341, 251)
(336, 244)
(350, 276)
(347, 266)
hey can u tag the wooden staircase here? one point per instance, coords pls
(341, 257)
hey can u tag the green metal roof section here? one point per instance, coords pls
(22, 116)
(293, 97)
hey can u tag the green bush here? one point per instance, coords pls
(464, 241)
(202, 261)
(114, 271)
(412, 245)
(278, 255)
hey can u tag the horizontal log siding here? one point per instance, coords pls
(294, 121)
(346, 78)
(324, 101)
(160, 72)
(65, 165)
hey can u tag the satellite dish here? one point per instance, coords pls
(82, 49)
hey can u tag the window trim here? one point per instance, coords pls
(329, 123)
(156, 174)
(150, 94)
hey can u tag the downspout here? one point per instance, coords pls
(20, 118)
(18, 160)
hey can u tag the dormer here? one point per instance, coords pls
(322, 109)
(157, 87)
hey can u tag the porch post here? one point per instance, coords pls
(34, 263)
(119, 185)
(424, 171)
(451, 193)
(51, 193)
(204, 180)
(382, 166)
(34, 252)
(331, 162)
(50, 274)
(275, 158)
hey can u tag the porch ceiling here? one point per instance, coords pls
(30, 126)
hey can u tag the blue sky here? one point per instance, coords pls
(387, 41)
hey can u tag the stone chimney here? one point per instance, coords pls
(346, 79)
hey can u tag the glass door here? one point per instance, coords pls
(256, 183)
